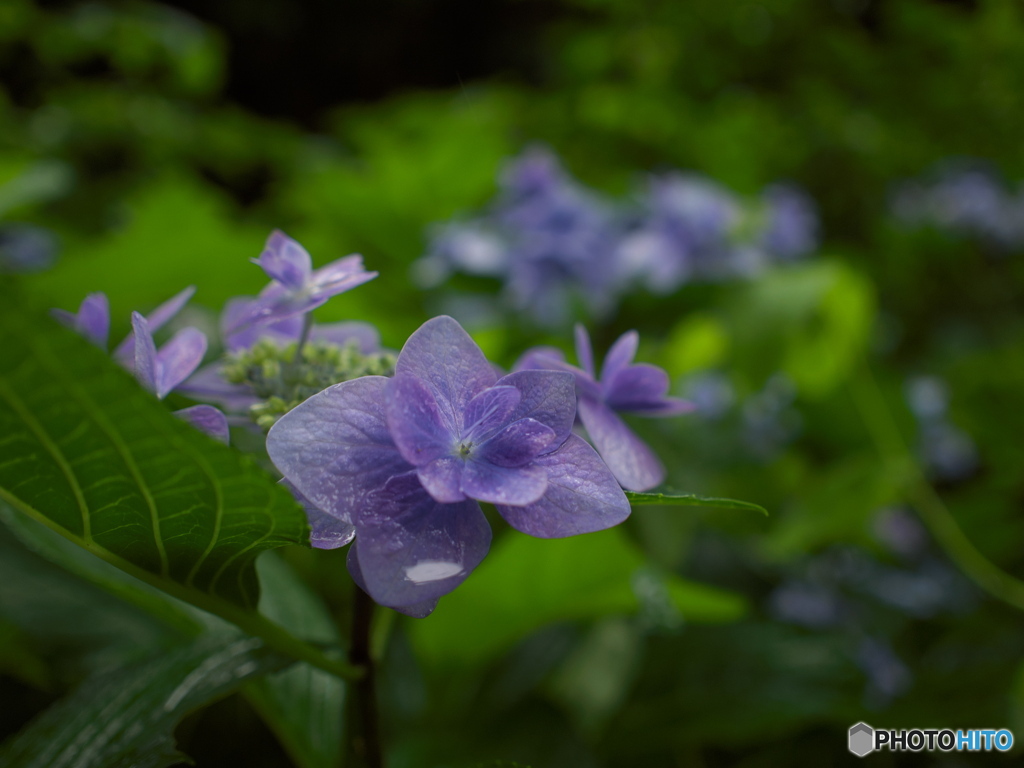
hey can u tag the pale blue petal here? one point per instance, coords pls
(417, 610)
(620, 355)
(443, 356)
(335, 447)
(145, 363)
(548, 397)
(415, 421)
(488, 412)
(518, 444)
(207, 419)
(442, 479)
(484, 481)
(178, 358)
(412, 549)
(634, 464)
(327, 532)
(582, 496)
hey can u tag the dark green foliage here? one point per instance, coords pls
(88, 452)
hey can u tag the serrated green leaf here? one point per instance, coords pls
(691, 500)
(87, 452)
(126, 718)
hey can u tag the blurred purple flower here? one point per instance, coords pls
(26, 248)
(623, 386)
(560, 240)
(93, 321)
(159, 372)
(791, 228)
(468, 247)
(405, 460)
(289, 329)
(296, 288)
(965, 199)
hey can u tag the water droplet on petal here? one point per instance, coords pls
(432, 570)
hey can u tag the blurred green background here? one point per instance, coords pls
(160, 143)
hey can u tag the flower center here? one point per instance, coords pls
(465, 448)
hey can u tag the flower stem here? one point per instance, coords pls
(307, 326)
(929, 504)
(364, 730)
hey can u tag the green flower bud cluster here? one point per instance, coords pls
(282, 382)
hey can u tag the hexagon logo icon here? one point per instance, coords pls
(862, 739)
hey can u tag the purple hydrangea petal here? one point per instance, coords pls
(540, 360)
(528, 360)
(363, 334)
(208, 383)
(412, 549)
(157, 319)
(620, 355)
(207, 419)
(442, 479)
(518, 444)
(416, 611)
(634, 464)
(415, 421)
(548, 397)
(637, 385)
(178, 358)
(443, 356)
(484, 481)
(237, 313)
(582, 496)
(340, 275)
(584, 352)
(488, 412)
(92, 320)
(285, 261)
(335, 447)
(327, 532)
(145, 362)
(276, 303)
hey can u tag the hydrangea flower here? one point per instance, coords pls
(791, 229)
(26, 248)
(93, 321)
(260, 366)
(405, 461)
(622, 387)
(162, 370)
(296, 288)
(561, 238)
(158, 371)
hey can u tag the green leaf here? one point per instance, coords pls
(61, 552)
(126, 718)
(525, 583)
(302, 705)
(691, 500)
(87, 452)
(74, 624)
